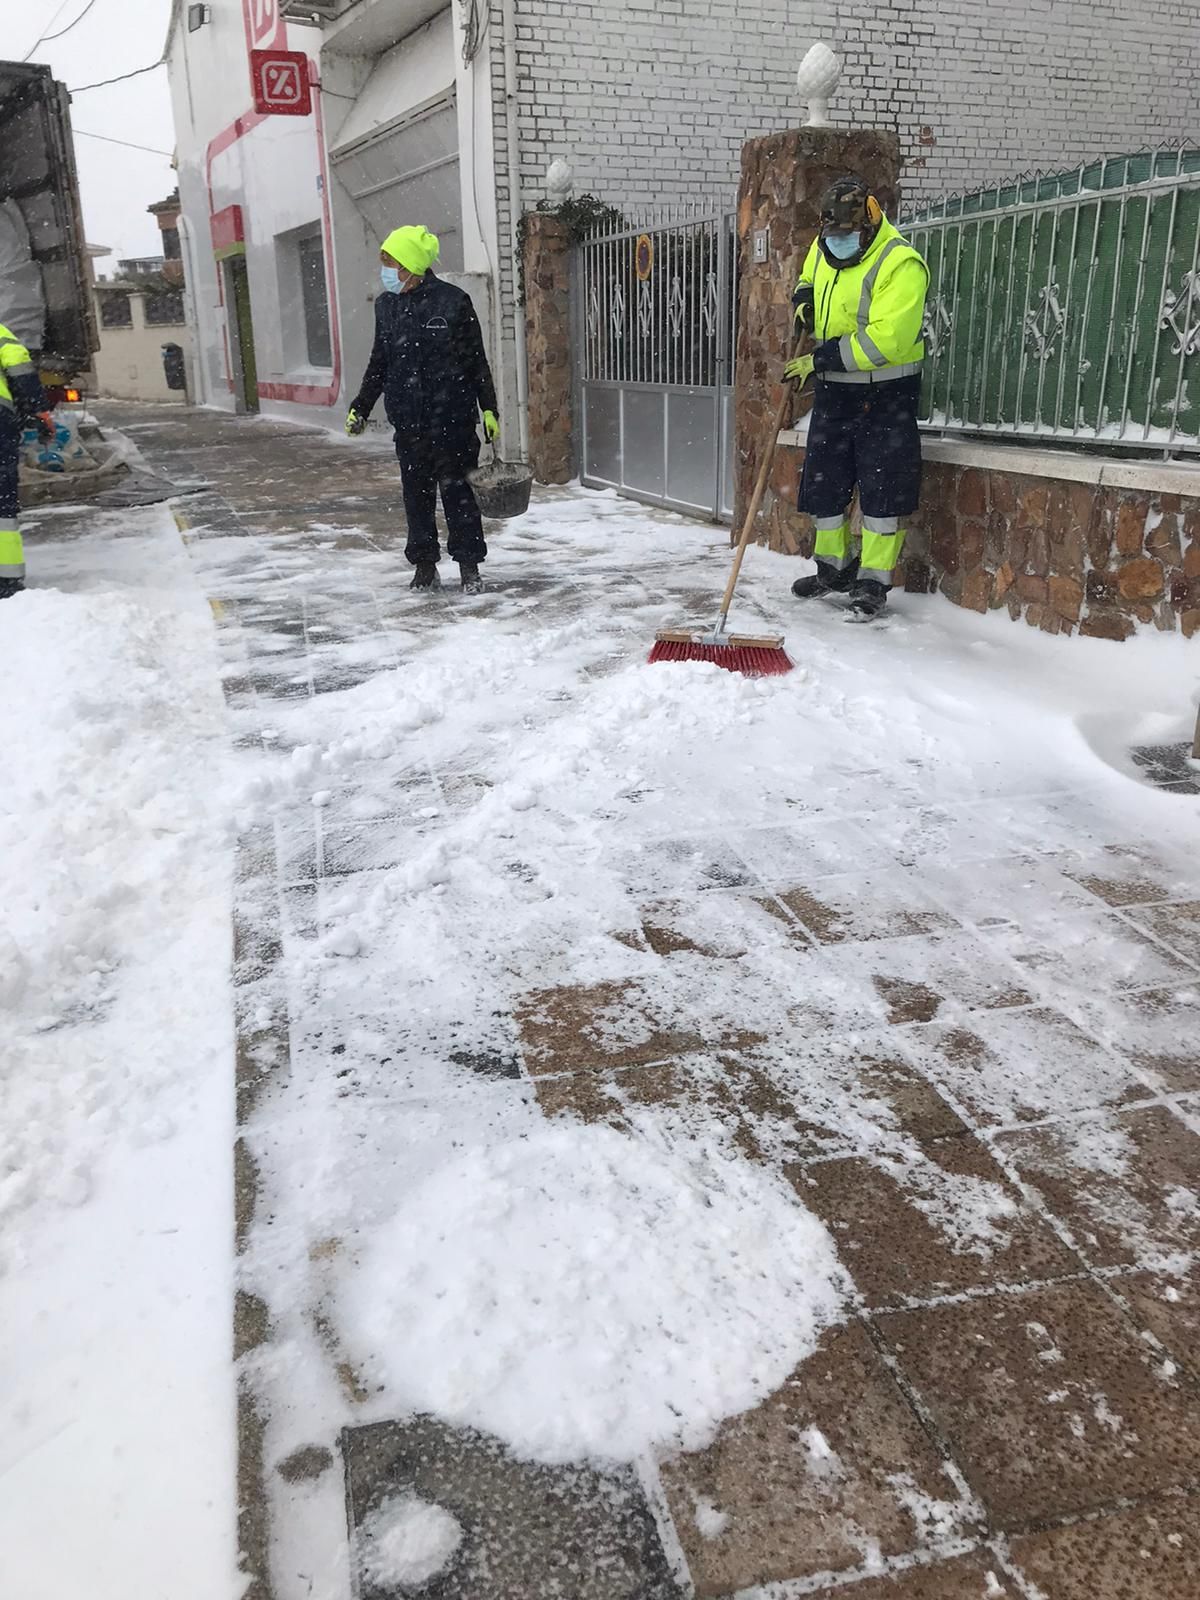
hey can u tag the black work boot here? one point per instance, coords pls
(425, 575)
(811, 588)
(825, 580)
(472, 578)
(10, 587)
(867, 600)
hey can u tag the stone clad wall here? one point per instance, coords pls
(548, 347)
(1065, 555)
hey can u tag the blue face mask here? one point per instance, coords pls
(844, 245)
(390, 278)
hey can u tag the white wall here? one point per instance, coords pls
(128, 364)
(274, 172)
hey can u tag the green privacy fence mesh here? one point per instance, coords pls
(1067, 307)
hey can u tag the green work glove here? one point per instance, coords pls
(799, 370)
(355, 422)
(491, 426)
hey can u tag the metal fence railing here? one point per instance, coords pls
(1067, 307)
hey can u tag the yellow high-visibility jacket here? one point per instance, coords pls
(867, 318)
(20, 386)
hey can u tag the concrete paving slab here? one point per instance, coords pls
(529, 1532)
(1149, 1554)
(943, 1223)
(1049, 1400)
(824, 1472)
(1123, 1184)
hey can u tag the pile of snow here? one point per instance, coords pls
(640, 1294)
(116, 1050)
(109, 890)
(406, 1542)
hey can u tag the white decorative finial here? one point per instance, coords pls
(817, 79)
(560, 184)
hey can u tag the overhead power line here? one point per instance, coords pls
(104, 82)
(48, 37)
(82, 133)
(40, 38)
(62, 32)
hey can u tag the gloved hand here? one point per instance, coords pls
(46, 429)
(491, 426)
(804, 307)
(355, 422)
(799, 370)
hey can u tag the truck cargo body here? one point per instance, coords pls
(45, 284)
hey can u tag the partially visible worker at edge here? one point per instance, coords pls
(429, 364)
(861, 295)
(21, 402)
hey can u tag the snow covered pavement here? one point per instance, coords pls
(116, 1032)
(695, 1135)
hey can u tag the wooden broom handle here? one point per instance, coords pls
(760, 488)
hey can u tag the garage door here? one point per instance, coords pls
(397, 152)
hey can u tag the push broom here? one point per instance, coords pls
(753, 655)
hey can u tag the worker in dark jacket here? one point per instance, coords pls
(21, 402)
(429, 364)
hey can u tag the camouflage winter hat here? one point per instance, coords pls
(847, 204)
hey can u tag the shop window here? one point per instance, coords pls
(315, 300)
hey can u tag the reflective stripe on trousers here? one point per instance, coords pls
(881, 547)
(12, 555)
(832, 547)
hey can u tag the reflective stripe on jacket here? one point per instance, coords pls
(867, 317)
(20, 386)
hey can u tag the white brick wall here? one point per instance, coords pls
(652, 99)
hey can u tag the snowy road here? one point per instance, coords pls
(610, 1039)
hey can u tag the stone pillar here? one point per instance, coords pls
(784, 176)
(548, 347)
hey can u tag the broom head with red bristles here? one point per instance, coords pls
(753, 657)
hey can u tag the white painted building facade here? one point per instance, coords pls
(450, 116)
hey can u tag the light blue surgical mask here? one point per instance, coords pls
(843, 245)
(390, 278)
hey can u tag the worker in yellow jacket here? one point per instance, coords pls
(21, 402)
(861, 295)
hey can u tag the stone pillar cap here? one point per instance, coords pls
(818, 77)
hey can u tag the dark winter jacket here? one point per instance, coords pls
(429, 364)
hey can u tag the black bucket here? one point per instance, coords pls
(501, 488)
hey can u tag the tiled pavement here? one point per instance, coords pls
(1017, 1422)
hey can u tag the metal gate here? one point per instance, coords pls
(657, 314)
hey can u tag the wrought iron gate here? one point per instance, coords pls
(656, 319)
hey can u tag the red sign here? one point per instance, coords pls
(264, 25)
(280, 80)
(228, 231)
